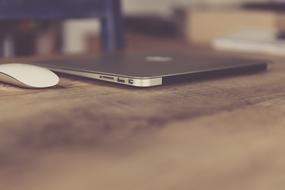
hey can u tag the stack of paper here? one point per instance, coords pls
(253, 41)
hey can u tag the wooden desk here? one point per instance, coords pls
(220, 134)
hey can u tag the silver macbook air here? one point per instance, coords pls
(153, 69)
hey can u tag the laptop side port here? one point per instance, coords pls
(121, 80)
(131, 81)
(107, 78)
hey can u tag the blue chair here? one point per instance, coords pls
(108, 11)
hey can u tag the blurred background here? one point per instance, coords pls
(165, 7)
(242, 25)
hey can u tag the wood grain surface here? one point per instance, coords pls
(220, 134)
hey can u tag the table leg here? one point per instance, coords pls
(112, 32)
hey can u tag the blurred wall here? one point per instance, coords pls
(76, 30)
(163, 7)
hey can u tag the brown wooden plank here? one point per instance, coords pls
(218, 151)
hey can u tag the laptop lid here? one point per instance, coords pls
(157, 67)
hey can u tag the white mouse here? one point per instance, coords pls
(27, 76)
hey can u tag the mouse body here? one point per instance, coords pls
(27, 76)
